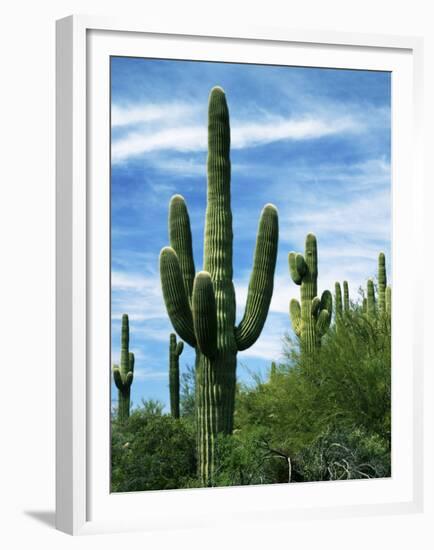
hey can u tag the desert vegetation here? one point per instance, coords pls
(321, 413)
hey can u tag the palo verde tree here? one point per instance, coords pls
(311, 320)
(201, 306)
(124, 375)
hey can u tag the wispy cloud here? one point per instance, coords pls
(244, 133)
(145, 113)
(139, 295)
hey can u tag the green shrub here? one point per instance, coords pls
(307, 408)
(152, 451)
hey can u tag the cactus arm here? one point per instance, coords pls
(175, 296)
(179, 348)
(181, 241)
(316, 306)
(131, 362)
(365, 305)
(204, 314)
(128, 380)
(117, 377)
(346, 297)
(325, 315)
(260, 289)
(327, 301)
(295, 314)
(297, 267)
(338, 299)
(323, 322)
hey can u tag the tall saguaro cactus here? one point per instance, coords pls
(175, 350)
(201, 306)
(124, 375)
(311, 320)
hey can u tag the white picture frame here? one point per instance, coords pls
(83, 501)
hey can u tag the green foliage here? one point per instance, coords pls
(201, 306)
(344, 397)
(311, 319)
(187, 393)
(152, 451)
(245, 459)
(124, 375)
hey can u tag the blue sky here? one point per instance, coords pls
(315, 142)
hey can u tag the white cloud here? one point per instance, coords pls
(149, 374)
(243, 134)
(138, 295)
(139, 114)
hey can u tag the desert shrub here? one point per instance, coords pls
(245, 459)
(337, 401)
(344, 453)
(152, 451)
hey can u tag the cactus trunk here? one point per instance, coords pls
(203, 313)
(175, 350)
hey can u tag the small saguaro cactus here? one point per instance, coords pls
(371, 306)
(175, 350)
(381, 307)
(341, 309)
(201, 306)
(311, 320)
(124, 375)
(389, 300)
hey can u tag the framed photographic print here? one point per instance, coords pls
(236, 334)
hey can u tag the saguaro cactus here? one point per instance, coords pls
(311, 320)
(341, 308)
(371, 306)
(381, 307)
(124, 375)
(201, 307)
(175, 350)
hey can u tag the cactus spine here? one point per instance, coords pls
(311, 320)
(201, 307)
(124, 375)
(175, 350)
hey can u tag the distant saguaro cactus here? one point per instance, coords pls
(382, 306)
(341, 308)
(175, 350)
(124, 375)
(311, 320)
(201, 306)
